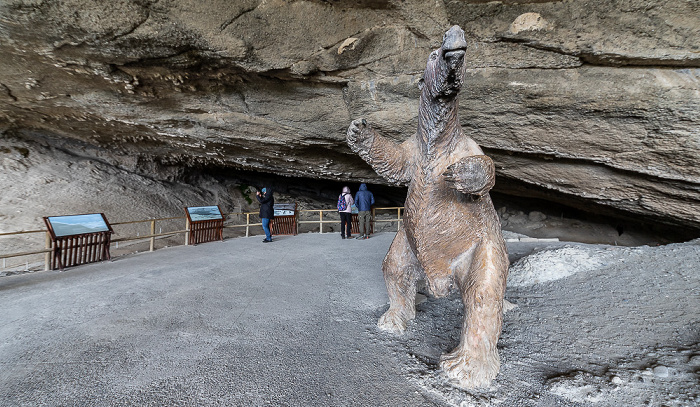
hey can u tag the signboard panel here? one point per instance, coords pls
(285, 209)
(285, 222)
(199, 213)
(204, 223)
(78, 239)
(78, 224)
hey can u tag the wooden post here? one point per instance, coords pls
(320, 221)
(187, 232)
(247, 224)
(296, 220)
(153, 232)
(47, 256)
(398, 218)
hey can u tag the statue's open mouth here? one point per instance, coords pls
(455, 54)
(454, 58)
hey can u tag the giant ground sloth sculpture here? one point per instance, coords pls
(451, 235)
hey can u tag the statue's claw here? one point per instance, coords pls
(468, 372)
(392, 321)
(359, 136)
(450, 176)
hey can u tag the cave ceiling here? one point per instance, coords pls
(594, 104)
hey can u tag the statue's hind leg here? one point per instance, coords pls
(401, 271)
(482, 283)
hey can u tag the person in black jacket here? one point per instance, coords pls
(267, 210)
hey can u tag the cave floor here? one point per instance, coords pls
(292, 323)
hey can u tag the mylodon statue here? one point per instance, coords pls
(451, 234)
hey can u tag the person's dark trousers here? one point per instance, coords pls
(345, 223)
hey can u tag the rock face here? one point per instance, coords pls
(591, 104)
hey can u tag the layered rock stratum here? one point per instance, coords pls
(593, 104)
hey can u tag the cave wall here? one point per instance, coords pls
(593, 104)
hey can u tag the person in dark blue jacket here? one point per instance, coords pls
(267, 210)
(364, 199)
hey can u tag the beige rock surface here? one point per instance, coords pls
(590, 104)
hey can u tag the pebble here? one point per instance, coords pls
(661, 371)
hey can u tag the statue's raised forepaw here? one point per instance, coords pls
(355, 129)
(473, 175)
(392, 321)
(358, 134)
(468, 372)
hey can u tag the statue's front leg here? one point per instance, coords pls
(474, 175)
(401, 269)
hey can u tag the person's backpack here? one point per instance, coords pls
(342, 203)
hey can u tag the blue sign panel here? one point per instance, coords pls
(78, 224)
(198, 213)
(282, 209)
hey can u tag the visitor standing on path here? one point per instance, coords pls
(267, 210)
(345, 202)
(364, 199)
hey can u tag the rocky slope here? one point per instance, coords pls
(592, 104)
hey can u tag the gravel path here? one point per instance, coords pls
(241, 323)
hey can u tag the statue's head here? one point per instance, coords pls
(444, 73)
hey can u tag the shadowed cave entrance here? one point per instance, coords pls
(524, 215)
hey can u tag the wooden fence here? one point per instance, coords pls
(323, 219)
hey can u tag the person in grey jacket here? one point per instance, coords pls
(364, 199)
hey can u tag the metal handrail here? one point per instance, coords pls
(152, 236)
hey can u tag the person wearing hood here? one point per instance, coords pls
(267, 210)
(364, 199)
(345, 202)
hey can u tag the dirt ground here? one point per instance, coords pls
(594, 325)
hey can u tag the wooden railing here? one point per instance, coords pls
(46, 251)
(152, 235)
(321, 222)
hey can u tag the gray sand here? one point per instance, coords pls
(242, 323)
